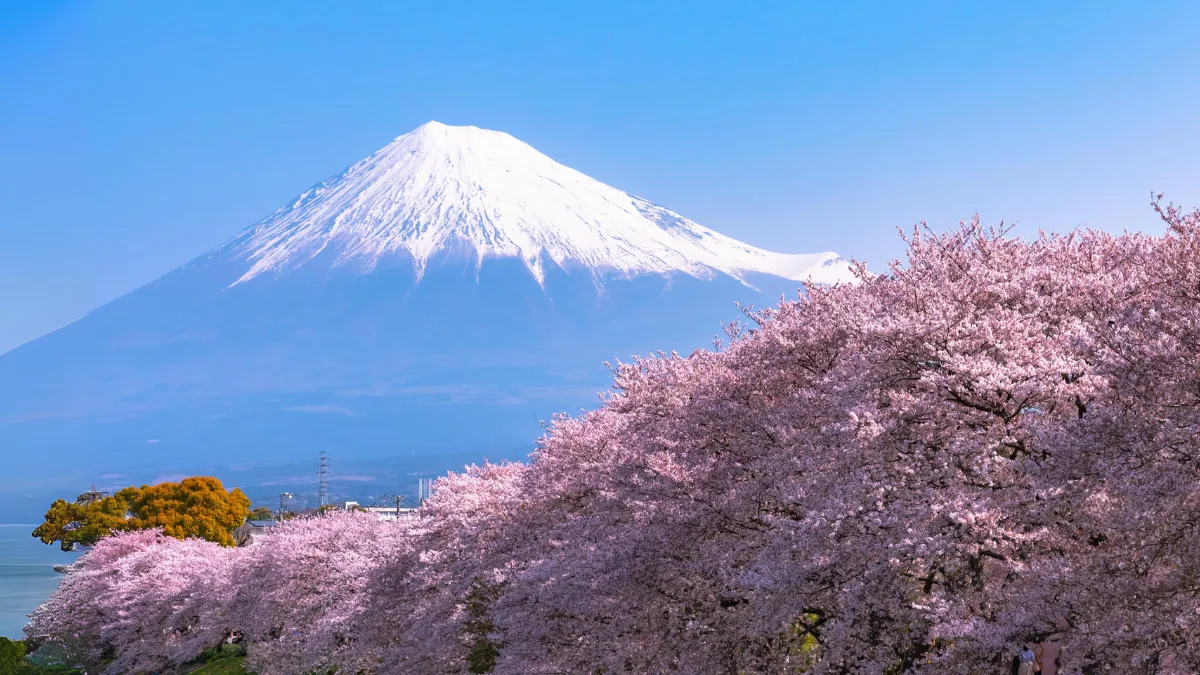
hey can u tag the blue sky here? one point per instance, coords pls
(136, 136)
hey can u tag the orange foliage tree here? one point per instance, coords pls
(198, 507)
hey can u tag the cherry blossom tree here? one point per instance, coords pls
(141, 602)
(436, 596)
(300, 592)
(917, 473)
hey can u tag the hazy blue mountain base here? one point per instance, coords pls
(191, 373)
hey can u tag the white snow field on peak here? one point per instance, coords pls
(442, 188)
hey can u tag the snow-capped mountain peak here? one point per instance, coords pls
(280, 341)
(441, 188)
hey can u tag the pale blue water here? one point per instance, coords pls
(27, 575)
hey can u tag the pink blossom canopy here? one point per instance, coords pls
(993, 443)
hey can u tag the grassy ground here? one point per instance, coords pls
(225, 665)
(225, 660)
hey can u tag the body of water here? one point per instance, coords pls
(27, 575)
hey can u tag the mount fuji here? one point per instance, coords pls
(444, 294)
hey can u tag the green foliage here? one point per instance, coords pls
(226, 665)
(803, 643)
(805, 631)
(197, 507)
(13, 661)
(482, 650)
(28, 668)
(261, 513)
(12, 656)
(226, 659)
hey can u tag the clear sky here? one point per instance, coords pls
(135, 136)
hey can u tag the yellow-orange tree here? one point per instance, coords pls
(81, 522)
(197, 507)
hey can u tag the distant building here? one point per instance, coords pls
(92, 496)
(380, 512)
(251, 532)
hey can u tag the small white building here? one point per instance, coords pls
(251, 532)
(380, 512)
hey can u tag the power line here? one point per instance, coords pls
(386, 501)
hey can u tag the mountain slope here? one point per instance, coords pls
(446, 293)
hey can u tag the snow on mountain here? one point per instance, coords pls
(484, 193)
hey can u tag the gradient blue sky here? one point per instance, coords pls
(135, 136)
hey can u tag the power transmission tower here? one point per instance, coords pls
(324, 475)
(283, 497)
